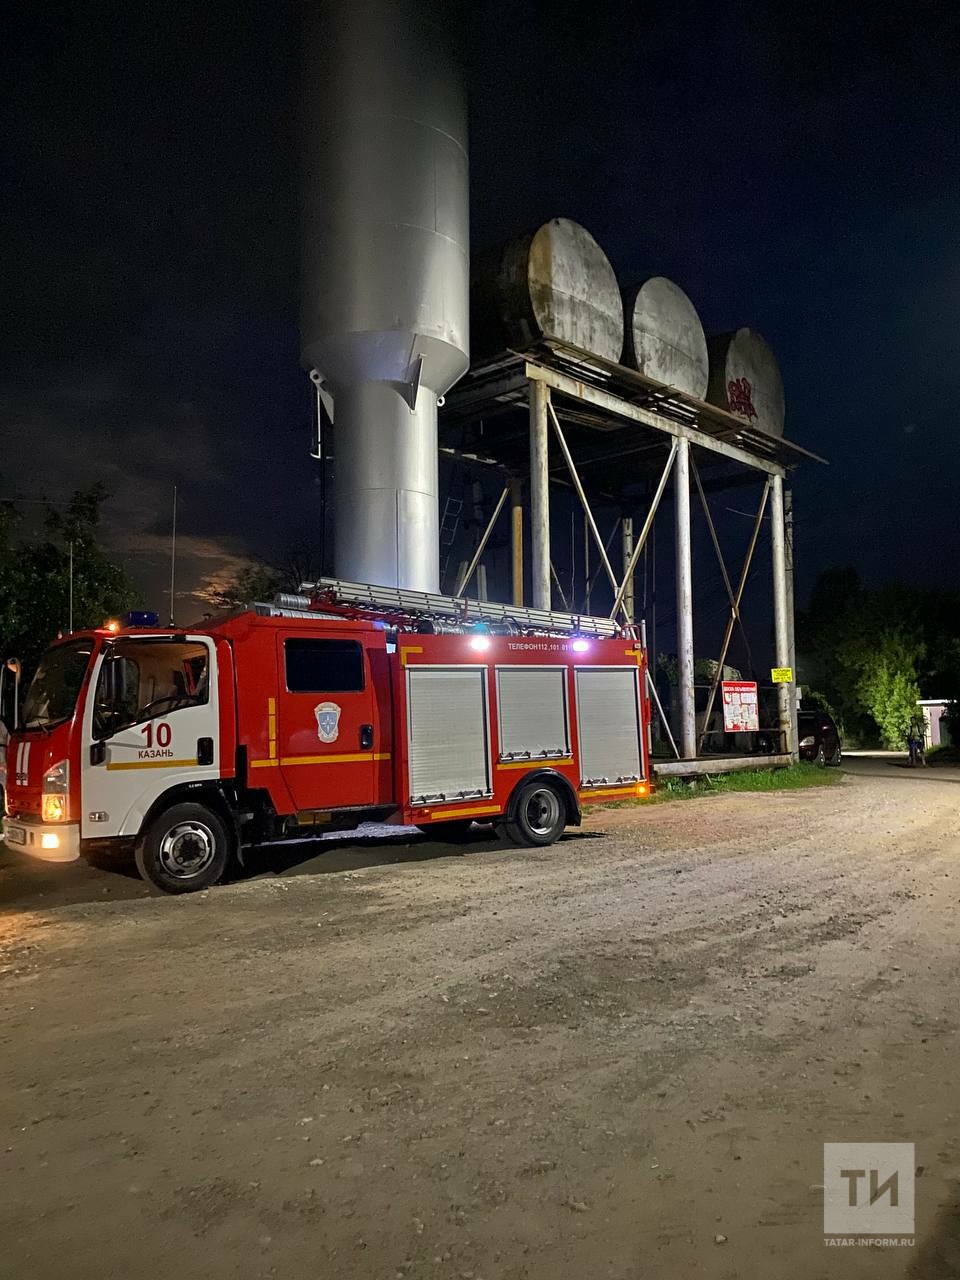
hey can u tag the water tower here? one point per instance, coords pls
(385, 318)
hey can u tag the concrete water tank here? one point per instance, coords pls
(745, 379)
(385, 313)
(554, 283)
(664, 337)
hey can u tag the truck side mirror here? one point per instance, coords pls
(10, 716)
(98, 752)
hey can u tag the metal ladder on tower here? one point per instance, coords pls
(449, 525)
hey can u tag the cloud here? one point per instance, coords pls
(234, 446)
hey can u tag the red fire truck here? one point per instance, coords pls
(322, 711)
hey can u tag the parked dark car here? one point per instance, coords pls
(819, 738)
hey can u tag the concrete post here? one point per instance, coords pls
(781, 624)
(516, 543)
(626, 536)
(539, 496)
(684, 560)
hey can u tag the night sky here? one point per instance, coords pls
(793, 168)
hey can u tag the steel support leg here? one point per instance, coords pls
(788, 537)
(641, 541)
(734, 614)
(581, 494)
(626, 530)
(539, 496)
(468, 572)
(781, 625)
(684, 561)
(516, 542)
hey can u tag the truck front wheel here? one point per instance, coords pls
(184, 849)
(539, 815)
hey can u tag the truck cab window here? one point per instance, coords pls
(141, 679)
(323, 666)
(53, 691)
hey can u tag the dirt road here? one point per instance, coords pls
(619, 1057)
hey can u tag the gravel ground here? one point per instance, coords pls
(619, 1057)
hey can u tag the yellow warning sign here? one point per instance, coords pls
(782, 675)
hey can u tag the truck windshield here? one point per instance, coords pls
(53, 691)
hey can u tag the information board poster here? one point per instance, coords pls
(740, 709)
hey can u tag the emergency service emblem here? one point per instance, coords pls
(328, 721)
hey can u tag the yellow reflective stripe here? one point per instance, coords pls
(463, 813)
(532, 764)
(152, 764)
(357, 758)
(409, 648)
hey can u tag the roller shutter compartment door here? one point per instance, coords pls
(608, 720)
(447, 733)
(532, 713)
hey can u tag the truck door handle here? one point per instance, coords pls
(204, 751)
(366, 737)
(98, 752)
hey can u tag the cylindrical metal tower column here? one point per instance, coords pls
(385, 472)
(539, 496)
(684, 559)
(781, 612)
(385, 268)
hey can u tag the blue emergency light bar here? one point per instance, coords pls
(140, 618)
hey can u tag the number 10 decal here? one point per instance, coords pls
(163, 735)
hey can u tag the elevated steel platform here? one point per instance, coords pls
(612, 413)
(552, 416)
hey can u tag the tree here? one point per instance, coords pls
(35, 576)
(887, 686)
(873, 653)
(262, 580)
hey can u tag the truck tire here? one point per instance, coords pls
(539, 815)
(184, 849)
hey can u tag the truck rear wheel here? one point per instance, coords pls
(184, 849)
(539, 815)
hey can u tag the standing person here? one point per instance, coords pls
(915, 743)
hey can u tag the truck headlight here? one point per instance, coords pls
(808, 741)
(56, 785)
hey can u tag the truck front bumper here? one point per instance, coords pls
(51, 842)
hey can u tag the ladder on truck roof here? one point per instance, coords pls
(401, 602)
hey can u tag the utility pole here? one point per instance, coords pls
(173, 552)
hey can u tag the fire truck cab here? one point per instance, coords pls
(321, 712)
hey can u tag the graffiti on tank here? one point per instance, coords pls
(740, 397)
